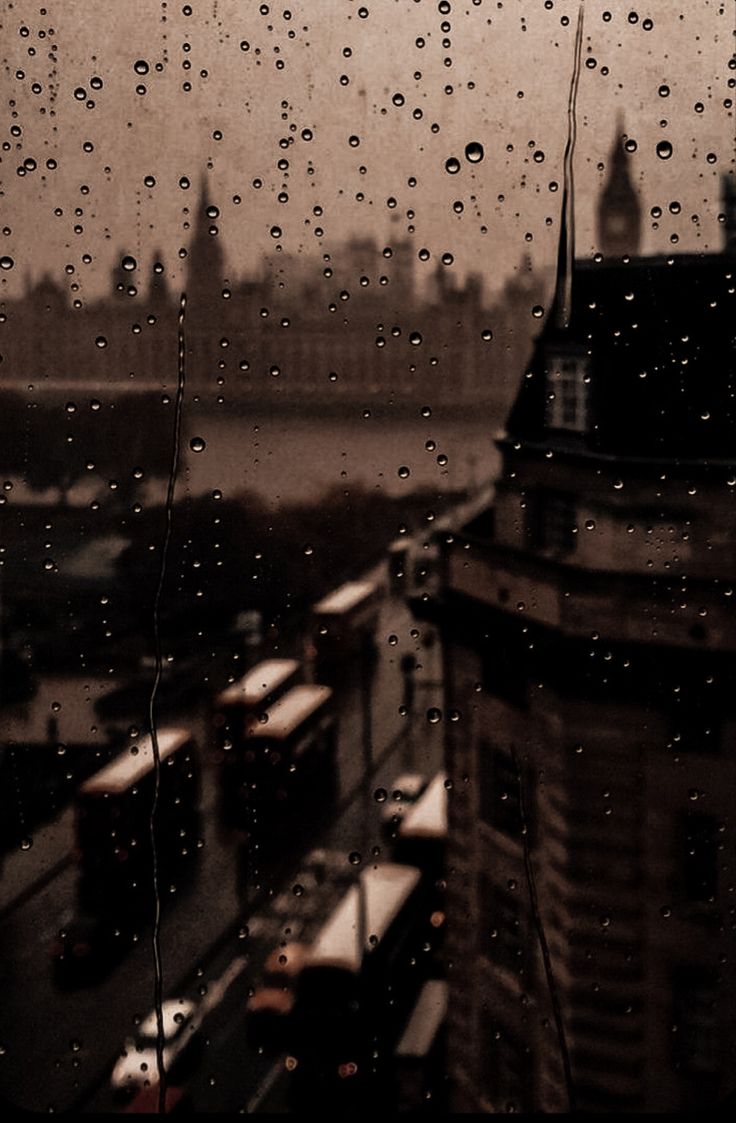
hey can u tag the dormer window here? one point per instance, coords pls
(567, 393)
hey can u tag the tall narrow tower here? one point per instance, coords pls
(205, 276)
(619, 209)
(205, 273)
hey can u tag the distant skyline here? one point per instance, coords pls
(509, 74)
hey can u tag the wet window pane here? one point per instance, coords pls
(367, 556)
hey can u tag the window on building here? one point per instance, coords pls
(567, 393)
(502, 932)
(695, 726)
(695, 1038)
(500, 794)
(699, 855)
(552, 522)
(508, 1066)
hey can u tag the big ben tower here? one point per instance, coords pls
(619, 210)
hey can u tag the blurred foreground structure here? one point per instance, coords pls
(590, 649)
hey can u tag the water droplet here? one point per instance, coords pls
(197, 444)
(141, 66)
(474, 152)
(380, 795)
(101, 341)
(452, 165)
(403, 472)
(537, 311)
(415, 338)
(6, 262)
(129, 263)
(275, 231)
(434, 715)
(26, 843)
(664, 150)
(355, 858)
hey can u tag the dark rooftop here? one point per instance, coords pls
(658, 338)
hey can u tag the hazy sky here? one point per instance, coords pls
(263, 74)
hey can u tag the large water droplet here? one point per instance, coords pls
(664, 150)
(129, 263)
(452, 165)
(474, 152)
(197, 444)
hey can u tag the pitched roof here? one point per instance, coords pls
(659, 334)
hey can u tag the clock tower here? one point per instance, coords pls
(619, 210)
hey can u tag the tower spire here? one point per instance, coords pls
(619, 209)
(206, 260)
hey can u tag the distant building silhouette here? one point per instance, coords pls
(590, 647)
(306, 333)
(619, 210)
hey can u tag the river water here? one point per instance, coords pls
(287, 459)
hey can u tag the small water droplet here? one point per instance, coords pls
(355, 858)
(129, 263)
(101, 341)
(664, 149)
(197, 444)
(434, 715)
(452, 165)
(474, 152)
(26, 843)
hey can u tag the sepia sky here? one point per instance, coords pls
(316, 73)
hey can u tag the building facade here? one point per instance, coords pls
(590, 651)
